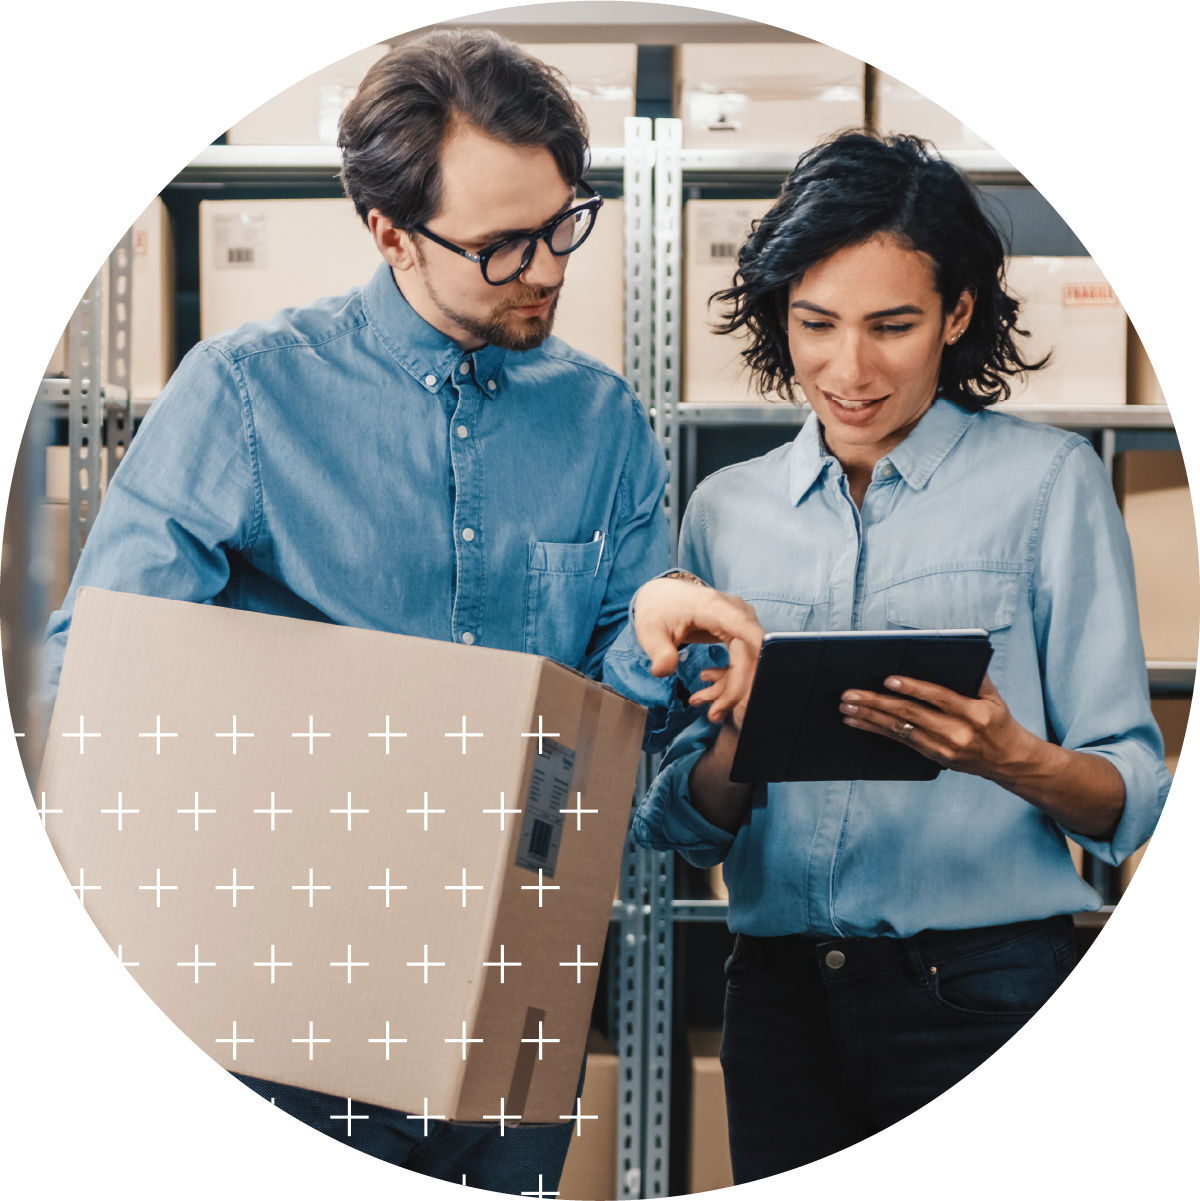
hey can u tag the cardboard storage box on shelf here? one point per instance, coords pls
(708, 1145)
(901, 109)
(590, 1173)
(1171, 714)
(1141, 382)
(603, 80)
(712, 364)
(345, 865)
(591, 307)
(765, 96)
(1153, 491)
(1069, 308)
(152, 309)
(259, 256)
(306, 114)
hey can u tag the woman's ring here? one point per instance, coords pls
(905, 731)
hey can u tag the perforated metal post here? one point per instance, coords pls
(660, 941)
(84, 417)
(639, 251)
(118, 382)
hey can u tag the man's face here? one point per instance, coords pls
(489, 190)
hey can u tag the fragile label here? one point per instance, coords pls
(1088, 295)
(542, 824)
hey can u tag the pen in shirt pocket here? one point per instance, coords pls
(599, 536)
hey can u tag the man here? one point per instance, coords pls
(418, 455)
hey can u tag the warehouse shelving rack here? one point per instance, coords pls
(651, 169)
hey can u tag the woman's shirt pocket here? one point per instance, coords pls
(566, 582)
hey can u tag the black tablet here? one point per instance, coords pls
(793, 729)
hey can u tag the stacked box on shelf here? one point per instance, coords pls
(708, 1150)
(901, 109)
(1141, 382)
(306, 114)
(590, 1173)
(766, 96)
(602, 77)
(1072, 313)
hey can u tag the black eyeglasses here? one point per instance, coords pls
(503, 261)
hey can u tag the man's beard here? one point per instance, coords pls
(502, 327)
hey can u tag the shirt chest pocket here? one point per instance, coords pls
(566, 582)
(960, 600)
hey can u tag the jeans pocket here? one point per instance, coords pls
(1011, 979)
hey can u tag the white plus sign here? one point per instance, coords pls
(538, 1192)
(579, 1117)
(349, 811)
(158, 734)
(272, 811)
(195, 811)
(463, 734)
(463, 1040)
(310, 734)
(350, 964)
(502, 1116)
(196, 964)
(578, 964)
(43, 810)
(426, 1117)
(120, 810)
(310, 888)
(311, 1041)
(234, 1040)
(387, 888)
(349, 1117)
(234, 735)
(579, 811)
(272, 963)
(387, 734)
(425, 963)
(541, 1039)
(541, 887)
(387, 1040)
(541, 736)
(158, 888)
(502, 963)
(464, 888)
(426, 811)
(121, 957)
(81, 734)
(234, 888)
(83, 889)
(502, 811)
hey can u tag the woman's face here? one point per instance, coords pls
(866, 332)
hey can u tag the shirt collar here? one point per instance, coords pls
(427, 354)
(915, 459)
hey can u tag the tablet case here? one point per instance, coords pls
(793, 729)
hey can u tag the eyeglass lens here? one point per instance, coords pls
(513, 257)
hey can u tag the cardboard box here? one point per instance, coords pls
(1171, 714)
(590, 1173)
(603, 82)
(259, 256)
(709, 1166)
(281, 871)
(1153, 491)
(591, 308)
(712, 366)
(306, 114)
(1141, 382)
(769, 95)
(1069, 308)
(901, 109)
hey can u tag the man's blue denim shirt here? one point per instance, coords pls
(346, 462)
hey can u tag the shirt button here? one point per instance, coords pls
(835, 960)
(463, 432)
(430, 380)
(468, 638)
(886, 471)
(491, 385)
(464, 367)
(468, 535)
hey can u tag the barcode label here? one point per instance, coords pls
(239, 240)
(239, 254)
(542, 823)
(722, 250)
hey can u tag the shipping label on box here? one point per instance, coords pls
(342, 859)
(1072, 313)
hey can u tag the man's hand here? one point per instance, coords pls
(671, 612)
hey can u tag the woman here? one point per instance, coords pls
(891, 935)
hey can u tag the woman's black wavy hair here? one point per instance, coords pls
(845, 191)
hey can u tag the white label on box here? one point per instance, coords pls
(720, 233)
(1088, 295)
(239, 241)
(542, 825)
